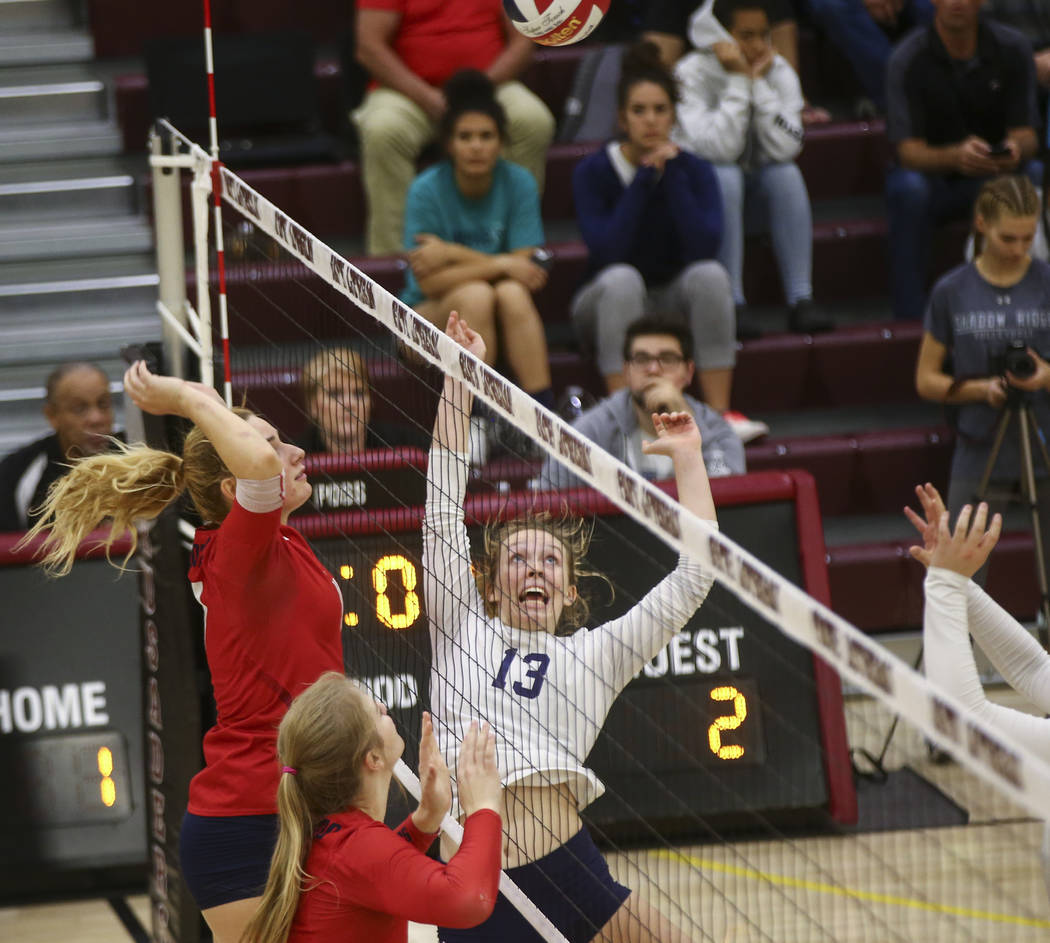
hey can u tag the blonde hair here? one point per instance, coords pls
(324, 737)
(1010, 195)
(334, 360)
(134, 482)
(572, 532)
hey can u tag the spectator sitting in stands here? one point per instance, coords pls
(651, 216)
(472, 227)
(961, 110)
(741, 107)
(865, 31)
(411, 48)
(79, 408)
(338, 396)
(658, 370)
(667, 26)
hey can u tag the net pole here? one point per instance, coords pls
(220, 255)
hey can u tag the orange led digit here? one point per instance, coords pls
(727, 722)
(107, 788)
(395, 620)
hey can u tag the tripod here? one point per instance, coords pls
(1017, 407)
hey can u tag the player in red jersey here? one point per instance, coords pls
(364, 882)
(272, 612)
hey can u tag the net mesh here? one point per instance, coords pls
(731, 808)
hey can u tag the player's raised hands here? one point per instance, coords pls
(436, 787)
(966, 549)
(676, 434)
(464, 335)
(476, 773)
(932, 509)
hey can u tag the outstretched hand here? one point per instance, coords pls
(676, 434)
(464, 335)
(436, 787)
(966, 550)
(476, 773)
(932, 509)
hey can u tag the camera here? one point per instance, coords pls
(1014, 358)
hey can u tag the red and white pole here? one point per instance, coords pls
(216, 188)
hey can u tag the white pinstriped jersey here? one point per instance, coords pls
(545, 696)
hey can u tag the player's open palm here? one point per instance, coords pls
(932, 509)
(436, 787)
(476, 773)
(676, 435)
(464, 335)
(966, 549)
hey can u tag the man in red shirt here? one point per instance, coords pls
(411, 47)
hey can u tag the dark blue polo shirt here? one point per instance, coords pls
(942, 101)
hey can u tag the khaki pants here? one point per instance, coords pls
(393, 130)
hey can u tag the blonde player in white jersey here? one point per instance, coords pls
(956, 608)
(500, 654)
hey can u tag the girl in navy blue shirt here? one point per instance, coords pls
(651, 215)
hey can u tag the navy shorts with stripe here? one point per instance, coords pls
(572, 886)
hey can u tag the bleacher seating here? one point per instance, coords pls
(868, 470)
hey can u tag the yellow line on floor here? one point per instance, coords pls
(821, 887)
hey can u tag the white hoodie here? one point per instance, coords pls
(730, 118)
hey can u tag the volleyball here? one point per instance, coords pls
(555, 22)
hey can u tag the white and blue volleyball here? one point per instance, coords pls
(555, 22)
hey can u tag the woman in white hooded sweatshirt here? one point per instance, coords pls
(741, 109)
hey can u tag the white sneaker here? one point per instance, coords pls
(746, 429)
(479, 441)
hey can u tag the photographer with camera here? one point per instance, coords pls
(988, 322)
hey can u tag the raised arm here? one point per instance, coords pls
(624, 645)
(448, 581)
(242, 448)
(953, 557)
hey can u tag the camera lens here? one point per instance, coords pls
(1018, 361)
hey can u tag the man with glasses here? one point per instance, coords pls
(658, 369)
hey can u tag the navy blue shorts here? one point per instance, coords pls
(572, 886)
(226, 857)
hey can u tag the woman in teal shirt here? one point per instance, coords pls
(472, 227)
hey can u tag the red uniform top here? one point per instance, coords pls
(436, 38)
(367, 882)
(272, 623)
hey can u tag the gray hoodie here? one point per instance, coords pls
(612, 422)
(728, 118)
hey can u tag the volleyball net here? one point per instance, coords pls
(745, 797)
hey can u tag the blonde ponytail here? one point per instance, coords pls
(324, 737)
(134, 482)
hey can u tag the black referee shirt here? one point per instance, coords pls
(942, 100)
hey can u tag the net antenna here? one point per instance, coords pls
(1012, 771)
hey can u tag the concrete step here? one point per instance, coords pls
(91, 335)
(74, 237)
(69, 198)
(47, 141)
(46, 102)
(52, 46)
(35, 15)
